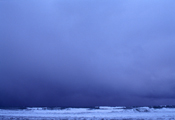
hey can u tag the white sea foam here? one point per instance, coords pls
(102, 112)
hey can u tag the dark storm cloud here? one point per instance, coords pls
(79, 53)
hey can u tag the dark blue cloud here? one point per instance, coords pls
(86, 53)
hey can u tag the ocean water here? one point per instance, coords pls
(93, 113)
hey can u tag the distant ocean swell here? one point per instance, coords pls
(93, 113)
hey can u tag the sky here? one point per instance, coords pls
(87, 52)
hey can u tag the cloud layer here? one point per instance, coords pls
(86, 53)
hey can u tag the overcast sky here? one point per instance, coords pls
(87, 52)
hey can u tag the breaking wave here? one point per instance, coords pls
(98, 112)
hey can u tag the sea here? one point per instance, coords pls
(162, 112)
